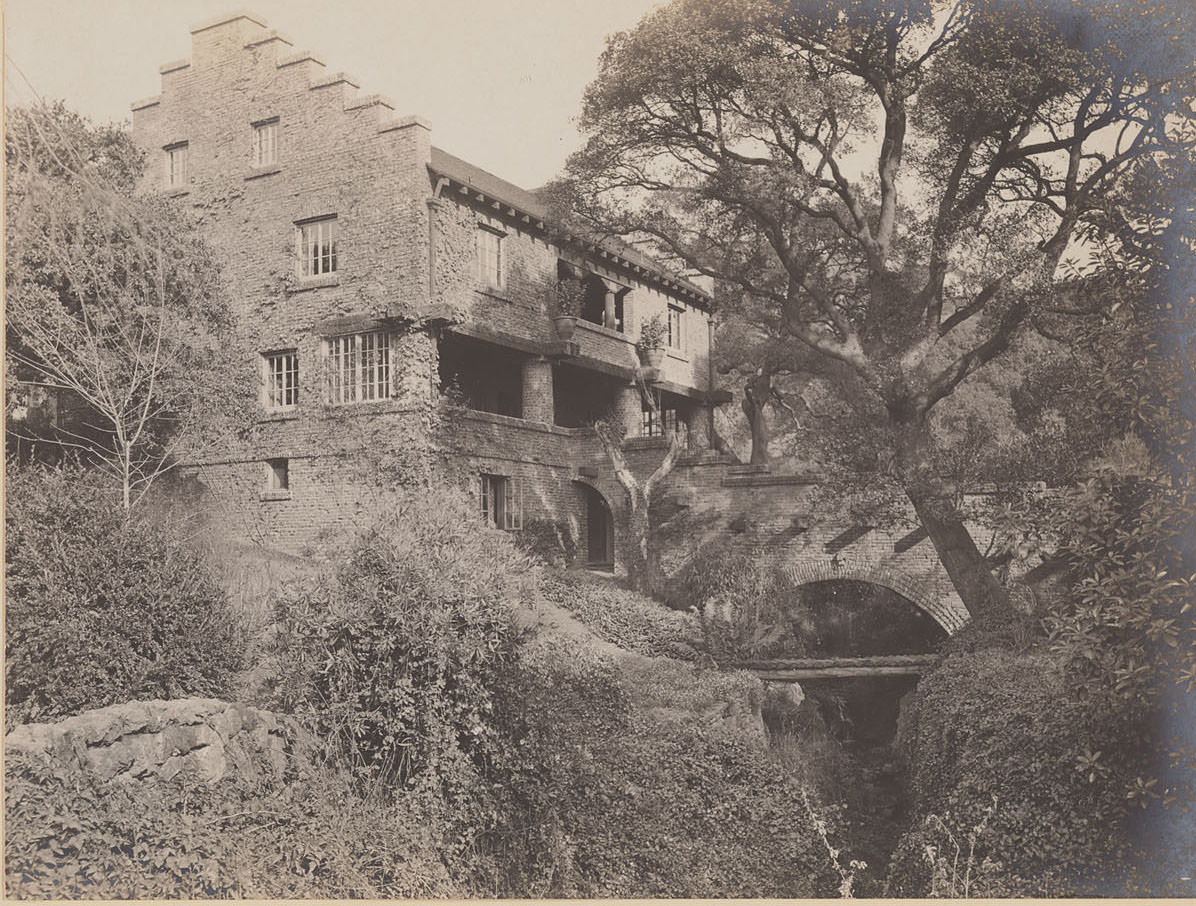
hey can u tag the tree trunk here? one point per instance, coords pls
(933, 500)
(639, 566)
(641, 559)
(756, 393)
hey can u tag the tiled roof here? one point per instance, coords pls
(476, 178)
(485, 182)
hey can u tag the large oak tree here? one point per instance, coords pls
(901, 183)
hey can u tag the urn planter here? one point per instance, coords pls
(566, 326)
(651, 356)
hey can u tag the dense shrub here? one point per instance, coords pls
(308, 834)
(392, 655)
(737, 603)
(630, 620)
(544, 770)
(688, 813)
(624, 785)
(102, 608)
(551, 541)
(1030, 782)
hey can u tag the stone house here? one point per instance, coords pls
(395, 299)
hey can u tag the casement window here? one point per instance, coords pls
(176, 165)
(676, 327)
(358, 367)
(501, 500)
(316, 246)
(265, 143)
(278, 475)
(280, 385)
(490, 263)
(655, 425)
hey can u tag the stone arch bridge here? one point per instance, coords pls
(787, 521)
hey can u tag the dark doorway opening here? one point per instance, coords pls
(600, 531)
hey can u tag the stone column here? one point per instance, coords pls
(697, 423)
(537, 390)
(608, 307)
(629, 410)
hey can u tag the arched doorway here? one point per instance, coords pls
(600, 530)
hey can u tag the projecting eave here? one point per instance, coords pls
(457, 179)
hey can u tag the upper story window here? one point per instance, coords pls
(358, 367)
(490, 257)
(265, 143)
(316, 240)
(676, 327)
(501, 501)
(281, 384)
(176, 165)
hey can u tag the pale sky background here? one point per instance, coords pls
(500, 81)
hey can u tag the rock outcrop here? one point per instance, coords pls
(204, 738)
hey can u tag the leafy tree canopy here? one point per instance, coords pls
(906, 188)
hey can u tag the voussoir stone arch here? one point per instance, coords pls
(943, 605)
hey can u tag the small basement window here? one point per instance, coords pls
(278, 480)
(278, 475)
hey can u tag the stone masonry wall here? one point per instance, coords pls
(339, 154)
(348, 156)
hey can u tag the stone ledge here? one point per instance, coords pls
(303, 284)
(259, 172)
(226, 18)
(509, 421)
(756, 480)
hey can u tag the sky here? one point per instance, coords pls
(500, 80)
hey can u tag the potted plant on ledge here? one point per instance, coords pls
(650, 345)
(564, 304)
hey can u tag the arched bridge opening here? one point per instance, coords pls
(868, 634)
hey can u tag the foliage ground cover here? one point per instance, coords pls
(631, 620)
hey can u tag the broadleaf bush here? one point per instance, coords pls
(105, 607)
(1039, 778)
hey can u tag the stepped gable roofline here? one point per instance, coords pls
(228, 17)
(535, 211)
